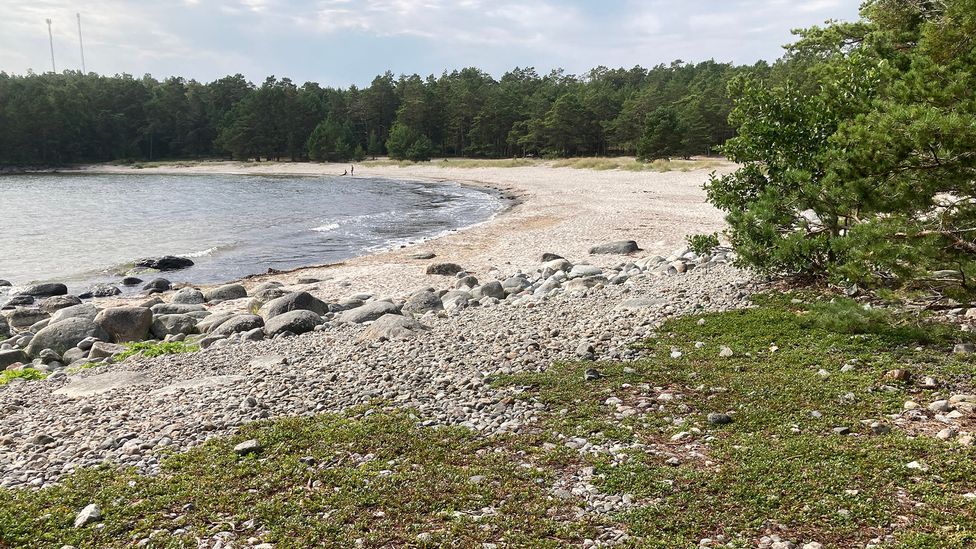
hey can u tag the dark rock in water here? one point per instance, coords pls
(157, 285)
(44, 290)
(296, 322)
(621, 247)
(131, 281)
(423, 255)
(547, 257)
(103, 290)
(124, 324)
(165, 263)
(444, 269)
(293, 302)
(20, 300)
(63, 335)
(4, 283)
(58, 302)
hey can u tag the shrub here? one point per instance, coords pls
(703, 244)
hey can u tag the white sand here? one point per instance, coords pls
(561, 210)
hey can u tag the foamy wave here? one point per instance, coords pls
(202, 253)
(326, 228)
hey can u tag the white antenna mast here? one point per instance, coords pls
(50, 38)
(81, 45)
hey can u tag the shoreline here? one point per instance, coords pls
(538, 201)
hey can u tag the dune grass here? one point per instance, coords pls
(633, 165)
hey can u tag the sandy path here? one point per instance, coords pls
(563, 210)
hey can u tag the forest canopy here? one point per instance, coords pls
(70, 117)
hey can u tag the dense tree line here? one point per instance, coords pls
(859, 151)
(670, 110)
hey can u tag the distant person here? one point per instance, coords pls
(352, 170)
(345, 172)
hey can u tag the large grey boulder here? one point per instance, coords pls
(264, 295)
(85, 310)
(585, 270)
(5, 283)
(22, 318)
(455, 299)
(392, 327)
(368, 312)
(421, 302)
(444, 269)
(100, 349)
(226, 292)
(63, 335)
(175, 308)
(298, 321)
(54, 303)
(188, 296)
(165, 263)
(237, 324)
(516, 284)
(45, 290)
(208, 324)
(557, 265)
(124, 324)
(295, 301)
(492, 289)
(12, 356)
(620, 247)
(266, 285)
(173, 324)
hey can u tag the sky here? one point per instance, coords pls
(348, 42)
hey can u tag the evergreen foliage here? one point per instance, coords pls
(859, 151)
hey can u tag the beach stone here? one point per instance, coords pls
(45, 290)
(423, 255)
(102, 383)
(391, 326)
(581, 270)
(620, 247)
(466, 282)
(264, 295)
(188, 296)
(63, 335)
(638, 303)
(257, 334)
(247, 447)
(455, 299)
(12, 356)
(444, 269)
(716, 418)
(90, 513)
(266, 286)
(176, 308)
(57, 302)
(100, 349)
(584, 283)
(22, 318)
(85, 310)
(4, 328)
(102, 290)
(421, 302)
(74, 354)
(368, 312)
(157, 285)
(549, 256)
(5, 283)
(964, 349)
(131, 281)
(492, 289)
(516, 284)
(297, 322)
(165, 263)
(39, 325)
(557, 265)
(124, 324)
(294, 301)
(226, 292)
(20, 300)
(173, 324)
(238, 324)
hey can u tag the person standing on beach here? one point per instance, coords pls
(352, 170)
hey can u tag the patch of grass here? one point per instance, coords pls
(151, 349)
(324, 481)
(28, 374)
(779, 467)
(634, 165)
(459, 162)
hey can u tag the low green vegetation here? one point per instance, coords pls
(27, 374)
(151, 349)
(703, 244)
(780, 466)
(634, 165)
(337, 480)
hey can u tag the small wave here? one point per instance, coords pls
(202, 253)
(326, 228)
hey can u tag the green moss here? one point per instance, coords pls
(153, 349)
(29, 374)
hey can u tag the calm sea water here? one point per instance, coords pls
(82, 229)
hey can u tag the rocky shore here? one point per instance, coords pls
(280, 350)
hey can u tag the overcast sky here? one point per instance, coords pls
(342, 42)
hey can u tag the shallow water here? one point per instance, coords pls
(82, 229)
